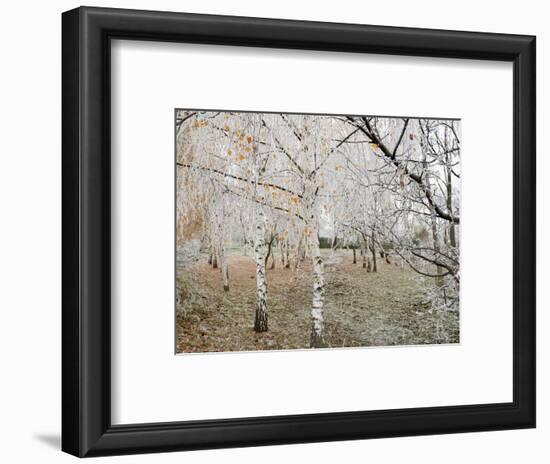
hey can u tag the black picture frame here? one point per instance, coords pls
(86, 228)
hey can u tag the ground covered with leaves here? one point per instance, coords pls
(388, 307)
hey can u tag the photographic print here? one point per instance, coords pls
(298, 231)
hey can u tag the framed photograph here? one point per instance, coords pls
(285, 231)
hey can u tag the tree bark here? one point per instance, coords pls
(452, 233)
(270, 252)
(299, 254)
(260, 321)
(435, 237)
(225, 270)
(282, 252)
(373, 251)
(317, 307)
(287, 254)
(317, 320)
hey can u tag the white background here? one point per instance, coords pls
(150, 384)
(30, 234)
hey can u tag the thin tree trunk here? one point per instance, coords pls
(435, 236)
(317, 321)
(287, 253)
(354, 256)
(373, 250)
(317, 339)
(384, 254)
(270, 251)
(225, 270)
(260, 321)
(221, 249)
(452, 233)
(298, 258)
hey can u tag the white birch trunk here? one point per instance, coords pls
(287, 254)
(225, 270)
(260, 322)
(298, 254)
(317, 321)
(313, 215)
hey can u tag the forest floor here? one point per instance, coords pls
(388, 307)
